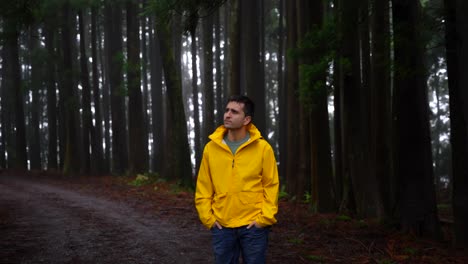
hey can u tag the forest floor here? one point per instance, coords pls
(48, 218)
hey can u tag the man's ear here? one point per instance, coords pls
(247, 120)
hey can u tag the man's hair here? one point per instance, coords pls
(249, 106)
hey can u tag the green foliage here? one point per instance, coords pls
(22, 11)
(410, 251)
(343, 218)
(282, 193)
(315, 53)
(296, 241)
(315, 258)
(145, 179)
(307, 197)
(385, 261)
(362, 224)
(325, 222)
(162, 9)
(444, 206)
(190, 10)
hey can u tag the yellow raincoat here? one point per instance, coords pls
(237, 189)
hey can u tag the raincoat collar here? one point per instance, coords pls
(218, 134)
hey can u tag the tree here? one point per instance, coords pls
(234, 47)
(157, 107)
(457, 47)
(195, 94)
(292, 109)
(72, 159)
(253, 59)
(316, 48)
(220, 77)
(51, 83)
(35, 85)
(380, 102)
(96, 132)
(413, 159)
(114, 58)
(208, 90)
(12, 74)
(86, 97)
(178, 163)
(138, 142)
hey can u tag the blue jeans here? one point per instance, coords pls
(230, 243)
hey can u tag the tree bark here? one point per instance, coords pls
(209, 98)
(97, 135)
(252, 59)
(35, 110)
(234, 48)
(117, 92)
(417, 203)
(380, 102)
(196, 105)
(457, 55)
(292, 126)
(220, 76)
(138, 142)
(178, 155)
(72, 157)
(49, 35)
(86, 98)
(157, 107)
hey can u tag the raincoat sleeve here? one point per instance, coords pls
(270, 181)
(204, 193)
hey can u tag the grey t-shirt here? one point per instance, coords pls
(234, 145)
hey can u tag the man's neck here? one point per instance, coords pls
(237, 134)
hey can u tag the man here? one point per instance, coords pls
(237, 187)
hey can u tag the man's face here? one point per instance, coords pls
(234, 116)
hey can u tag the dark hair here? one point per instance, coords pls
(249, 106)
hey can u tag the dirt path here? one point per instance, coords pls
(42, 223)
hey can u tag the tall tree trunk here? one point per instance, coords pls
(208, 113)
(341, 189)
(7, 111)
(359, 187)
(117, 92)
(219, 70)
(103, 55)
(144, 20)
(227, 56)
(157, 109)
(86, 98)
(457, 55)
(234, 48)
(36, 86)
(72, 154)
(380, 102)
(97, 135)
(252, 59)
(282, 117)
(292, 126)
(413, 167)
(178, 163)
(16, 151)
(302, 153)
(320, 155)
(196, 106)
(138, 148)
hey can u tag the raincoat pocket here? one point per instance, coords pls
(251, 197)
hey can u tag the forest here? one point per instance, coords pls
(363, 101)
